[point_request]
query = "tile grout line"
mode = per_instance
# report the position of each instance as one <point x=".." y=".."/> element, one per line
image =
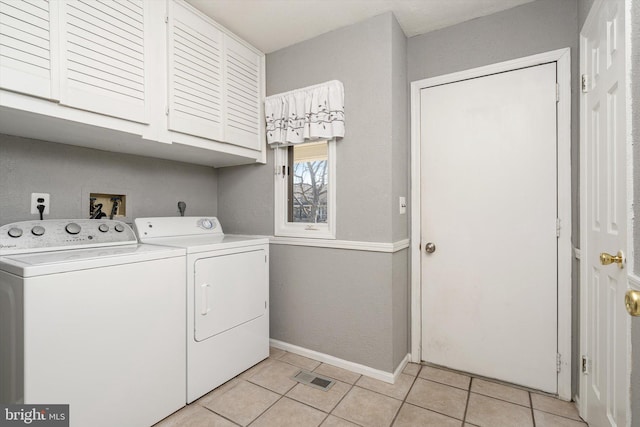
<point x="434" y="410"/>
<point x="395" y="417"/>
<point x="220" y="415"/>
<point x="466" y="407"/>
<point x="502" y="400"/>
<point x="533" y="416"/>
<point x="561" y="416"/>
<point x="342" y="398"/>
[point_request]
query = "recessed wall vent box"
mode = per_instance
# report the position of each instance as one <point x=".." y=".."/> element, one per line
<point x="103" y="205"/>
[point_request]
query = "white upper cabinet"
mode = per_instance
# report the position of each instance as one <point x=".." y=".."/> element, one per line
<point x="27" y="47"/>
<point x="243" y="97"/>
<point x="146" y="77"/>
<point x="195" y="74"/>
<point x="103" y="57"/>
<point x="216" y="82"/>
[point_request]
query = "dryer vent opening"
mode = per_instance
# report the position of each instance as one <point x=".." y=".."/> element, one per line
<point x="314" y="380"/>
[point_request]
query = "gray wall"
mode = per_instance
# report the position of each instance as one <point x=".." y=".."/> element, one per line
<point x="365" y="59"/>
<point x="337" y="302"/>
<point x="348" y="304"/>
<point x="153" y="187"/>
<point x="532" y="28"/>
<point x="584" y="6"/>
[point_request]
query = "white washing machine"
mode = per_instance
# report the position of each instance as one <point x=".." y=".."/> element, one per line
<point x="90" y="318"/>
<point x="227" y="297"/>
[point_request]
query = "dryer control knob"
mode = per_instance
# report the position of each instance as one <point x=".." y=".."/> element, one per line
<point x="207" y="224"/>
<point x="37" y="230"/>
<point x="103" y="227"/>
<point x="73" y="228"/>
<point x="119" y="228"/>
<point x="15" y="232"/>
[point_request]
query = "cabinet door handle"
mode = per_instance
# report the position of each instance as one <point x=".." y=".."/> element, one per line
<point x="205" y="299"/>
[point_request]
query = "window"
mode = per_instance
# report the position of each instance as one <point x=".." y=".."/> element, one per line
<point x="305" y="190"/>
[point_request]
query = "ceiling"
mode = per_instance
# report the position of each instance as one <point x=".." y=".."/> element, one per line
<point x="271" y="25"/>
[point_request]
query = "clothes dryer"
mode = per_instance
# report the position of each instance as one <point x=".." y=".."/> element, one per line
<point x="227" y="288"/>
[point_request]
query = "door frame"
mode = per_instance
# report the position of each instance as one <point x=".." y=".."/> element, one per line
<point x="565" y="248"/>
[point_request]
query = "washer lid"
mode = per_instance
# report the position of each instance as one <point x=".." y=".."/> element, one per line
<point x="37" y="264"/>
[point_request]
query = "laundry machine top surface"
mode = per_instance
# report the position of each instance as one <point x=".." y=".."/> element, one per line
<point x="32" y="248"/>
<point x="195" y="234"/>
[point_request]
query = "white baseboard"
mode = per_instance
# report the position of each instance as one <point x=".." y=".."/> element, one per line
<point x="388" y="377"/>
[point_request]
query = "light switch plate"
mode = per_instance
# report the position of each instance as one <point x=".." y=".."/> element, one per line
<point x="403" y="205"/>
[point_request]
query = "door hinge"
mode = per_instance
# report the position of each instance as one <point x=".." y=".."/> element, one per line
<point x="166" y="19"/>
<point x="557" y="92"/>
<point x="558" y="362"/>
<point x="558" y="227"/>
<point x="166" y="112"/>
<point x="585" y="83"/>
<point x="585" y="365"/>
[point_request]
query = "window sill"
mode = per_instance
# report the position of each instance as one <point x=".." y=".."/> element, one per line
<point x="341" y="244"/>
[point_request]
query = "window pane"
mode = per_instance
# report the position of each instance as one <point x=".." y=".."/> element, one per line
<point x="308" y="183"/>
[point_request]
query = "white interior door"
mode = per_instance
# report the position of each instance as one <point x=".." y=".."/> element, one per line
<point x="604" y="322"/>
<point x="489" y="205"/>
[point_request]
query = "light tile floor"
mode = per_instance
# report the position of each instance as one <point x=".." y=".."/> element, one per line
<point x="266" y="396"/>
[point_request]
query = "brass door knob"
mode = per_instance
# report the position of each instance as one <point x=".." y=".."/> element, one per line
<point x="606" y="259"/>
<point x="632" y="302"/>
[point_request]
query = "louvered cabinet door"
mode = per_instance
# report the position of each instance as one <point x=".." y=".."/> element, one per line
<point x="103" y="57"/>
<point x="27" y="64"/>
<point x="195" y="74"/>
<point x="243" y="95"/>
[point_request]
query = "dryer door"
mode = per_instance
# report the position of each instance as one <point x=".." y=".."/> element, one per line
<point x="229" y="291"/>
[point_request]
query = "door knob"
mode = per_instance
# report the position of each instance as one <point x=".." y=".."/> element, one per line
<point x="606" y="259"/>
<point x="632" y="302"/>
<point x="430" y="248"/>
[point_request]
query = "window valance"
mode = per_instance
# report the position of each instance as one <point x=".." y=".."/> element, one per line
<point x="305" y="115"/>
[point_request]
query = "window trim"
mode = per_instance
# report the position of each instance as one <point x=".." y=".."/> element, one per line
<point x="306" y="230"/>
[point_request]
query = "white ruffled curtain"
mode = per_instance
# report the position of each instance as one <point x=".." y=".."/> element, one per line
<point x="305" y="115"/>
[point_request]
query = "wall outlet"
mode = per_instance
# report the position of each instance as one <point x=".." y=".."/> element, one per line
<point x="40" y="199"/>
<point x="403" y="205"/>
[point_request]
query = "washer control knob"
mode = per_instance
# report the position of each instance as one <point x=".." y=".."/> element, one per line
<point x="119" y="228"/>
<point x="72" y="228"/>
<point x="15" y="232"/>
<point x="37" y="230"/>
<point x="103" y="227"/>
<point x="207" y="224"/>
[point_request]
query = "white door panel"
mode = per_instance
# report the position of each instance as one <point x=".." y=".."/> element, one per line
<point x="229" y="291"/>
<point x="28" y="57"/>
<point x="489" y="204"/>
<point x="604" y="322"/>
<point x="104" y="57"/>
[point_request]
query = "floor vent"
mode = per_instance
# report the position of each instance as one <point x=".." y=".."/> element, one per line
<point x="314" y="380"/>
